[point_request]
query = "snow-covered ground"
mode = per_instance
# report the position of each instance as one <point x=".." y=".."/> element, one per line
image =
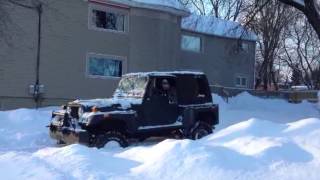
<point x="257" y="139"/>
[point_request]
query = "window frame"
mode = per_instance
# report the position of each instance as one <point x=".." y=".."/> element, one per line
<point x="111" y="57"/>
<point x="241" y="77"/>
<point x="108" y="9"/>
<point x="190" y="50"/>
<point x="244" y="47"/>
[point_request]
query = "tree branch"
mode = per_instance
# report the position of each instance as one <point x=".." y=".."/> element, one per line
<point x="294" y="4"/>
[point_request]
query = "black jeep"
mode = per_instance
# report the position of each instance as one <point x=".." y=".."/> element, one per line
<point x="168" y="104"/>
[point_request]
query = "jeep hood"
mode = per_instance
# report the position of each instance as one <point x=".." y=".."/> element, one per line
<point x="122" y="103"/>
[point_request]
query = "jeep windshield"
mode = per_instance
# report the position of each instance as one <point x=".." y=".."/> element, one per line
<point x="131" y="86"/>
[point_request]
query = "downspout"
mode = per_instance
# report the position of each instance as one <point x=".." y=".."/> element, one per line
<point x="37" y="92"/>
<point x="254" y="66"/>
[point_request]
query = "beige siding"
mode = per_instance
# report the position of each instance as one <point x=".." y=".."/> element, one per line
<point x="17" y="56"/>
<point x="220" y="60"/>
<point x="151" y="42"/>
<point x="154" y="40"/>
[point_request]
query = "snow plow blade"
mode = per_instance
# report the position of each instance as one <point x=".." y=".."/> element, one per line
<point x="69" y="136"/>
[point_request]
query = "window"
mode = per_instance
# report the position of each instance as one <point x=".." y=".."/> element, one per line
<point x="244" y="47"/>
<point x="98" y="66"/>
<point x="191" y="43"/>
<point x="102" y="19"/>
<point x="241" y="81"/>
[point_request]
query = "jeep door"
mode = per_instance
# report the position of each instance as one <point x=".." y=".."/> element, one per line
<point x="160" y="107"/>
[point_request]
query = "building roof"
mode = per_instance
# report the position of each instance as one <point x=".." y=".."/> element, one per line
<point x="218" y="27"/>
<point x="171" y="6"/>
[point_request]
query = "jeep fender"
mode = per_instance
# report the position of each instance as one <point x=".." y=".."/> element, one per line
<point x="192" y="116"/>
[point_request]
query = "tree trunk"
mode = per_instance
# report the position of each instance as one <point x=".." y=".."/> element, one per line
<point x="313" y="15"/>
<point x="309" y="10"/>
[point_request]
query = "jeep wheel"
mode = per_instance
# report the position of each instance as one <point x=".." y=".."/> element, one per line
<point x="176" y="134"/>
<point x="201" y="131"/>
<point x="113" y="138"/>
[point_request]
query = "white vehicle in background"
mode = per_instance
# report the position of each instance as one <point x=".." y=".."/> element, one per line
<point x="299" y="88"/>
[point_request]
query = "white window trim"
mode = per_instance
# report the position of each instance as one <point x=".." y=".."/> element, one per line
<point x="114" y="57"/>
<point x="241" y="77"/>
<point x="107" y="8"/>
<point x="189" y="50"/>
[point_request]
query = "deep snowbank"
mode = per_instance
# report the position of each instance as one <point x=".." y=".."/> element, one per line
<point x="238" y="152"/>
<point x="24" y="129"/>
<point x="241" y="151"/>
<point x="245" y="106"/>
<point x="249" y="149"/>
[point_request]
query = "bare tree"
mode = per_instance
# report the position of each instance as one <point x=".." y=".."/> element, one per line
<point x="302" y="50"/>
<point x="267" y="18"/>
<point x="310" y="8"/>
<point x="269" y="23"/>
<point x="223" y="9"/>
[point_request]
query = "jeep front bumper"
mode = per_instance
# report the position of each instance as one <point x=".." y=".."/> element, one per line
<point x="68" y="135"/>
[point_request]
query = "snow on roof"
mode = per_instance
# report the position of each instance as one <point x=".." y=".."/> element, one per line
<point x="218" y="27"/>
<point x="171" y="6"/>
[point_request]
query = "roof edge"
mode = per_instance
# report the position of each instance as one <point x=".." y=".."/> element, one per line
<point x="135" y="4"/>
<point x="219" y="36"/>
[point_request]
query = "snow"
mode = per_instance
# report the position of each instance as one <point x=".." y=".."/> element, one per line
<point x="257" y="139"/>
<point x="171" y="6"/>
<point x="163" y="73"/>
<point x="218" y="27"/>
<point x="125" y="103"/>
<point x="24" y="129"/>
<point x="245" y="106"/>
<point x="168" y="3"/>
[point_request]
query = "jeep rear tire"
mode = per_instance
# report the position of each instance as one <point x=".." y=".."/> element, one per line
<point x="111" y="136"/>
<point x="202" y="130"/>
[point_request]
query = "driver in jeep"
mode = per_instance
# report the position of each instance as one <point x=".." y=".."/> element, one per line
<point x="168" y="91"/>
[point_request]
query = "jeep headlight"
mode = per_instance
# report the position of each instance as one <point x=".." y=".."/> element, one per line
<point x="69" y="110"/>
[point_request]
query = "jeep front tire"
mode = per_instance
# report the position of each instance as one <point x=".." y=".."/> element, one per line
<point x="201" y="130"/>
<point x="111" y="136"/>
